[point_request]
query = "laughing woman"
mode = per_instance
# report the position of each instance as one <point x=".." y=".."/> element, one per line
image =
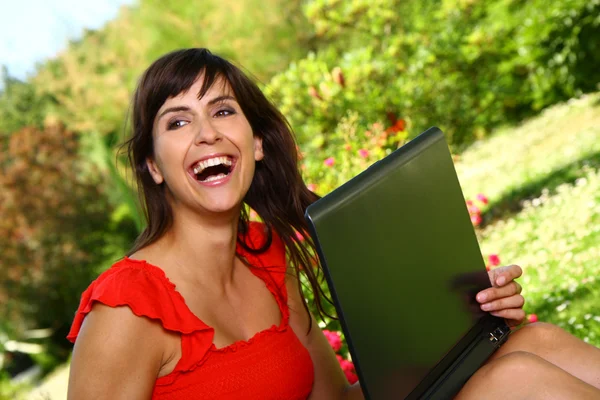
<point x="207" y="305"/>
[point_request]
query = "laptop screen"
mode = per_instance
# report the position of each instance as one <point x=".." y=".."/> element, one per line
<point x="403" y="264"/>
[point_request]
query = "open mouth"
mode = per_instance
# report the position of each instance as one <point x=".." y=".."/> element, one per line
<point x="213" y="169"/>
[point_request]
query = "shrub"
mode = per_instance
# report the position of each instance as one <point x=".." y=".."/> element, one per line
<point x="57" y="230"/>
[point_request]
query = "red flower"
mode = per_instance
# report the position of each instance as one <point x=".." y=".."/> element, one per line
<point x="398" y="124"/>
<point x="474" y="210"/>
<point x="334" y="339"/>
<point x="348" y="147"/>
<point x="481" y="197"/>
<point x="348" y="369"/>
<point x="494" y="259"/>
<point x="299" y="236"/>
<point x="363" y="153"/>
<point x="532" y="318"/>
<point x="476" y="219"/>
<point x="312" y="187"/>
<point x="329" y="162"/>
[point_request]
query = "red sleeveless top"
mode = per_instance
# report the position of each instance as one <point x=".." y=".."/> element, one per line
<point x="273" y="364"/>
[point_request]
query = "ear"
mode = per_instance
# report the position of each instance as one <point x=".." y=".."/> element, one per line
<point x="154" y="171"/>
<point x="258" y="149"/>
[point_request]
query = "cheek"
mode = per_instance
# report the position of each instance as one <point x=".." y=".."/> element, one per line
<point x="168" y="154"/>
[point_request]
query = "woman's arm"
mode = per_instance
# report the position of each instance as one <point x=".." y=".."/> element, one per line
<point x="330" y="381"/>
<point x="117" y="355"/>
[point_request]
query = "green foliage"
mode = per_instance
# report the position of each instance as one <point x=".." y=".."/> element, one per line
<point x="20" y="106"/>
<point x="10" y="391"/>
<point x="93" y="80"/>
<point x="56" y="230"/>
<point x="465" y="66"/>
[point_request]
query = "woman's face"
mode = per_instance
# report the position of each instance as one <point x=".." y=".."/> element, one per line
<point x="204" y="150"/>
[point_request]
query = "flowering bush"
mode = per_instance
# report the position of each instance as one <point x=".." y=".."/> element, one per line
<point x="354" y="145"/>
<point x="475" y="210"/>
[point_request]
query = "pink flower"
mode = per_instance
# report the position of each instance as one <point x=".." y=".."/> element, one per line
<point x="334" y="339"/>
<point x="348" y="147"/>
<point x="351" y="376"/>
<point x="474" y="209"/>
<point x="348" y="368"/>
<point x="299" y="236"/>
<point x="364" y="153"/>
<point x="494" y="259"/>
<point x="532" y="318"/>
<point x="312" y="187"/>
<point x="469" y="202"/>
<point x="476" y="219"/>
<point x="329" y="162"/>
<point x="481" y="197"/>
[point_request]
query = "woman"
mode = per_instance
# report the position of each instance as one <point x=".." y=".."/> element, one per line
<point x="178" y="317"/>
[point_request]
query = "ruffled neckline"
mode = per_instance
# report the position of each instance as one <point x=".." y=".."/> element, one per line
<point x="238" y="344"/>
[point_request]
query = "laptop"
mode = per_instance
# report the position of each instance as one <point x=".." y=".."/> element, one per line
<point x="403" y="266"/>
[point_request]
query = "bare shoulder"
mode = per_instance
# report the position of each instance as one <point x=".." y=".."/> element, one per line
<point x="117" y="355"/>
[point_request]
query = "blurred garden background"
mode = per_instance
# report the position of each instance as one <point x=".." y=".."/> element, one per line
<point x="513" y="83"/>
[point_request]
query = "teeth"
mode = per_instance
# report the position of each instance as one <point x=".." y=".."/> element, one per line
<point x="214" y="177"/>
<point x="211" y="162"/>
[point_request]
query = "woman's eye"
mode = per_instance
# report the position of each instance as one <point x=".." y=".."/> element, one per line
<point x="224" y="112"/>
<point x="178" y="123"/>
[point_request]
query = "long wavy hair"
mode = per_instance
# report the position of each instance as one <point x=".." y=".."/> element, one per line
<point x="277" y="192"/>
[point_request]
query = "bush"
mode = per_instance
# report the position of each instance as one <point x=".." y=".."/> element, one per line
<point x="57" y="230"/>
<point x="465" y="66"/>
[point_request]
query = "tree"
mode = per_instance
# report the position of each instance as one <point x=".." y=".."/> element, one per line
<point x="57" y="229"/>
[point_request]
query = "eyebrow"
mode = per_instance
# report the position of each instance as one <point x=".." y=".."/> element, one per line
<point x="220" y="99"/>
<point x="217" y="99"/>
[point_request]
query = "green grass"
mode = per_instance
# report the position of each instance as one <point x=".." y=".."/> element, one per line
<point x="543" y="181"/>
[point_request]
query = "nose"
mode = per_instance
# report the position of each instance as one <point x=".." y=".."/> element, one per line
<point x="207" y="133"/>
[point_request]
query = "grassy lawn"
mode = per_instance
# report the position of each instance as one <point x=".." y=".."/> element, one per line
<point x="543" y="182"/>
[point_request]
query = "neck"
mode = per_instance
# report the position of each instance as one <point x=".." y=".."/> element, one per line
<point x="202" y="249"/>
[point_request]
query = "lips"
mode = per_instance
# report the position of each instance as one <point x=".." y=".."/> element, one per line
<point x="213" y="169"/>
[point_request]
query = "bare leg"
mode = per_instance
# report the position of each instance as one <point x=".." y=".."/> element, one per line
<point x="520" y="375"/>
<point x="557" y="347"/>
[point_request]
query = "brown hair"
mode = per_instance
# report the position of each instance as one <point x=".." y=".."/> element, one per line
<point x="277" y="193"/>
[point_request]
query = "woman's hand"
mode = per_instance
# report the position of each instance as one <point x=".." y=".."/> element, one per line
<point x="504" y="298"/>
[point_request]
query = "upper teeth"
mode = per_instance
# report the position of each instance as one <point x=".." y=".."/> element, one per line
<point x="211" y="162"/>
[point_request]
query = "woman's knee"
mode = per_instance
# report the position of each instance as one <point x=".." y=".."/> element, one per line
<point x="537" y="338"/>
<point x="513" y="366"/>
<point x="541" y="332"/>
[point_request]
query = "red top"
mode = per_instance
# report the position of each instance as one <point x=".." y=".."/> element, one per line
<point x="273" y="364"/>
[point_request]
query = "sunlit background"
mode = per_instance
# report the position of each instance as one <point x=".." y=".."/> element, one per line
<point x="514" y="84"/>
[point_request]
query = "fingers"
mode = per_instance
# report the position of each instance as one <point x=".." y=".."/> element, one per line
<point x="505" y="303"/>
<point x="513" y="316"/>
<point x="503" y="275"/>
<point x="495" y="293"/>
